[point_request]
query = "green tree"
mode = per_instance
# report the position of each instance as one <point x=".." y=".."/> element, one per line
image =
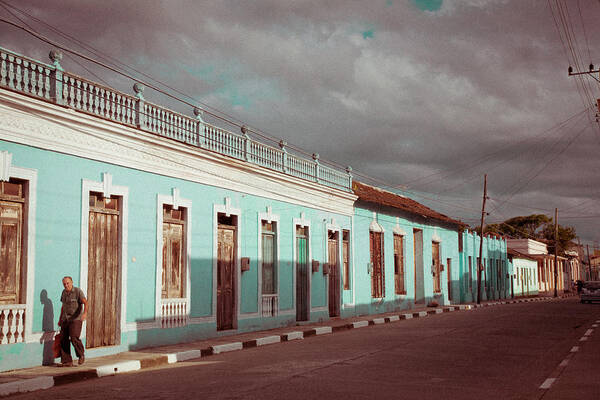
<point x="535" y="226"/>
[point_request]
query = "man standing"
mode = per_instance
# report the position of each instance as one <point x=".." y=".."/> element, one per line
<point x="70" y="321"/>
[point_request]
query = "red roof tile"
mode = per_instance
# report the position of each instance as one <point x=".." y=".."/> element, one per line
<point x="376" y="195"/>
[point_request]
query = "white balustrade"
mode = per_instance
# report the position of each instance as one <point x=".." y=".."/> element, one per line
<point x="270" y="305"/>
<point x="51" y="83"/>
<point x="174" y="313"/>
<point x="12" y="323"/>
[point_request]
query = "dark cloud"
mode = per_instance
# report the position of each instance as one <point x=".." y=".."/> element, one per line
<point x="399" y="90"/>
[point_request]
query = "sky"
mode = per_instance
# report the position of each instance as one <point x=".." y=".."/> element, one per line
<point x="421" y="97"/>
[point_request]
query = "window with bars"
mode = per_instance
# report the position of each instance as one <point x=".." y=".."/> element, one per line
<point x="377" y="264"/>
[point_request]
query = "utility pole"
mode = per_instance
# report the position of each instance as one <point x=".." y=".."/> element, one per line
<point x="480" y="261"/>
<point x="555" y="251"/>
<point x="589" y="263"/>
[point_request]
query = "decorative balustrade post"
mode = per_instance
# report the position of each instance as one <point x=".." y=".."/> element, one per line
<point x="247" y="151"/>
<point x="140" y="113"/>
<point x="315" y="157"/>
<point x="349" y="172"/>
<point x="198" y="112"/>
<point x="284" y="161"/>
<point x="56" y="77"/>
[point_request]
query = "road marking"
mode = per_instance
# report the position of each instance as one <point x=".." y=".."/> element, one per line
<point x="583" y="339"/>
<point x="594" y="325"/>
<point x="588" y="332"/>
<point x="378" y="321"/>
<point x="564" y="363"/>
<point x="407" y="316"/>
<point x="575" y="349"/>
<point x="439" y="310"/>
<point x="547" y="383"/>
<point x="394" y="318"/>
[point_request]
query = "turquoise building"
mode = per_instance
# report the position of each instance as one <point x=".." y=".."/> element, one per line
<point x="174" y="228"/>
<point x="405" y="254"/>
<point x="495" y="274"/>
<point x="177" y="229"/>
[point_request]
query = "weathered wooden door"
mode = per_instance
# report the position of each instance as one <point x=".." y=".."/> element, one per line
<point x="11" y="220"/>
<point x="103" y="271"/>
<point x="225" y="276"/>
<point x="377" y="273"/>
<point x="301" y="274"/>
<point x="435" y="263"/>
<point x="333" y="249"/>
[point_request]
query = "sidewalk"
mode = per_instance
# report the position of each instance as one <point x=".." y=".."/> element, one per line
<point x="44" y="377"/>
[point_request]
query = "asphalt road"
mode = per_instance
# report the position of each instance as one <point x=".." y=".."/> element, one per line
<point x="502" y="352"/>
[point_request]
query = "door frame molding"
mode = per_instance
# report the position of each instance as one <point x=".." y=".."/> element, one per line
<point x="305" y="223"/>
<point x="228" y="210"/>
<point x="269" y="217"/>
<point x="9" y="170"/>
<point x="334" y="227"/>
<point x="107" y="189"/>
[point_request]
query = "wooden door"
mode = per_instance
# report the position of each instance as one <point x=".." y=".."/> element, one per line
<point x="225" y="277"/>
<point x="377" y="273"/>
<point x="399" y="265"/>
<point x="346" y="259"/>
<point x="11" y="220"/>
<point x="435" y="262"/>
<point x="103" y="272"/>
<point x="301" y="274"/>
<point x="334" y="274"/>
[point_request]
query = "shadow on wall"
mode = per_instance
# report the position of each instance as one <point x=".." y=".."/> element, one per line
<point x="47" y="328"/>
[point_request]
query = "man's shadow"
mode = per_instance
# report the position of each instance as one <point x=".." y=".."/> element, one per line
<point x="47" y="328"/>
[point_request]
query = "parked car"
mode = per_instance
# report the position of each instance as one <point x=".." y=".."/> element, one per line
<point x="590" y="291"/>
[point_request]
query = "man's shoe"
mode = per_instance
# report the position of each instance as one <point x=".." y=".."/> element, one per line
<point x="65" y="364"/>
<point x="81" y="360"/>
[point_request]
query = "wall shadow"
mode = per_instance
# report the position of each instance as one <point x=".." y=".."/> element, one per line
<point x="47" y="328"/>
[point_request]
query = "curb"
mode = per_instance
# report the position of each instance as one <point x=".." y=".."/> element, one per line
<point x="46" y="382"/>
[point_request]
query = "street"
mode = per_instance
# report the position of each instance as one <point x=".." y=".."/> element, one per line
<point x="502" y="352"/>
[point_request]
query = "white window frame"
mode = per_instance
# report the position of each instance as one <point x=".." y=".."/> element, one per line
<point x="270" y="218"/>
<point x="7" y="171"/>
<point x="176" y="202"/>
<point x="228" y="210"/>
<point x="333" y="227"/>
<point x="304" y="223"/>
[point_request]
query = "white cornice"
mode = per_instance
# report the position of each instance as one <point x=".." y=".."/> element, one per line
<point x="44" y="125"/>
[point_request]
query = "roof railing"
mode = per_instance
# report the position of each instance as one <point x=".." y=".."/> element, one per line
<point x="51" y="83"/>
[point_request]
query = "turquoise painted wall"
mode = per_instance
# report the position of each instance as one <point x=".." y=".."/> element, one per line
<point x="57" y="248"/>
<point x="386" y="217"/>
<point x="494" y="249"/>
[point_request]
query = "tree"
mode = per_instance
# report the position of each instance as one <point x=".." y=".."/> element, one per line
<point x="524" y="227"/>
<point x="537" y="227"/>
<point x="565" y="235"/>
